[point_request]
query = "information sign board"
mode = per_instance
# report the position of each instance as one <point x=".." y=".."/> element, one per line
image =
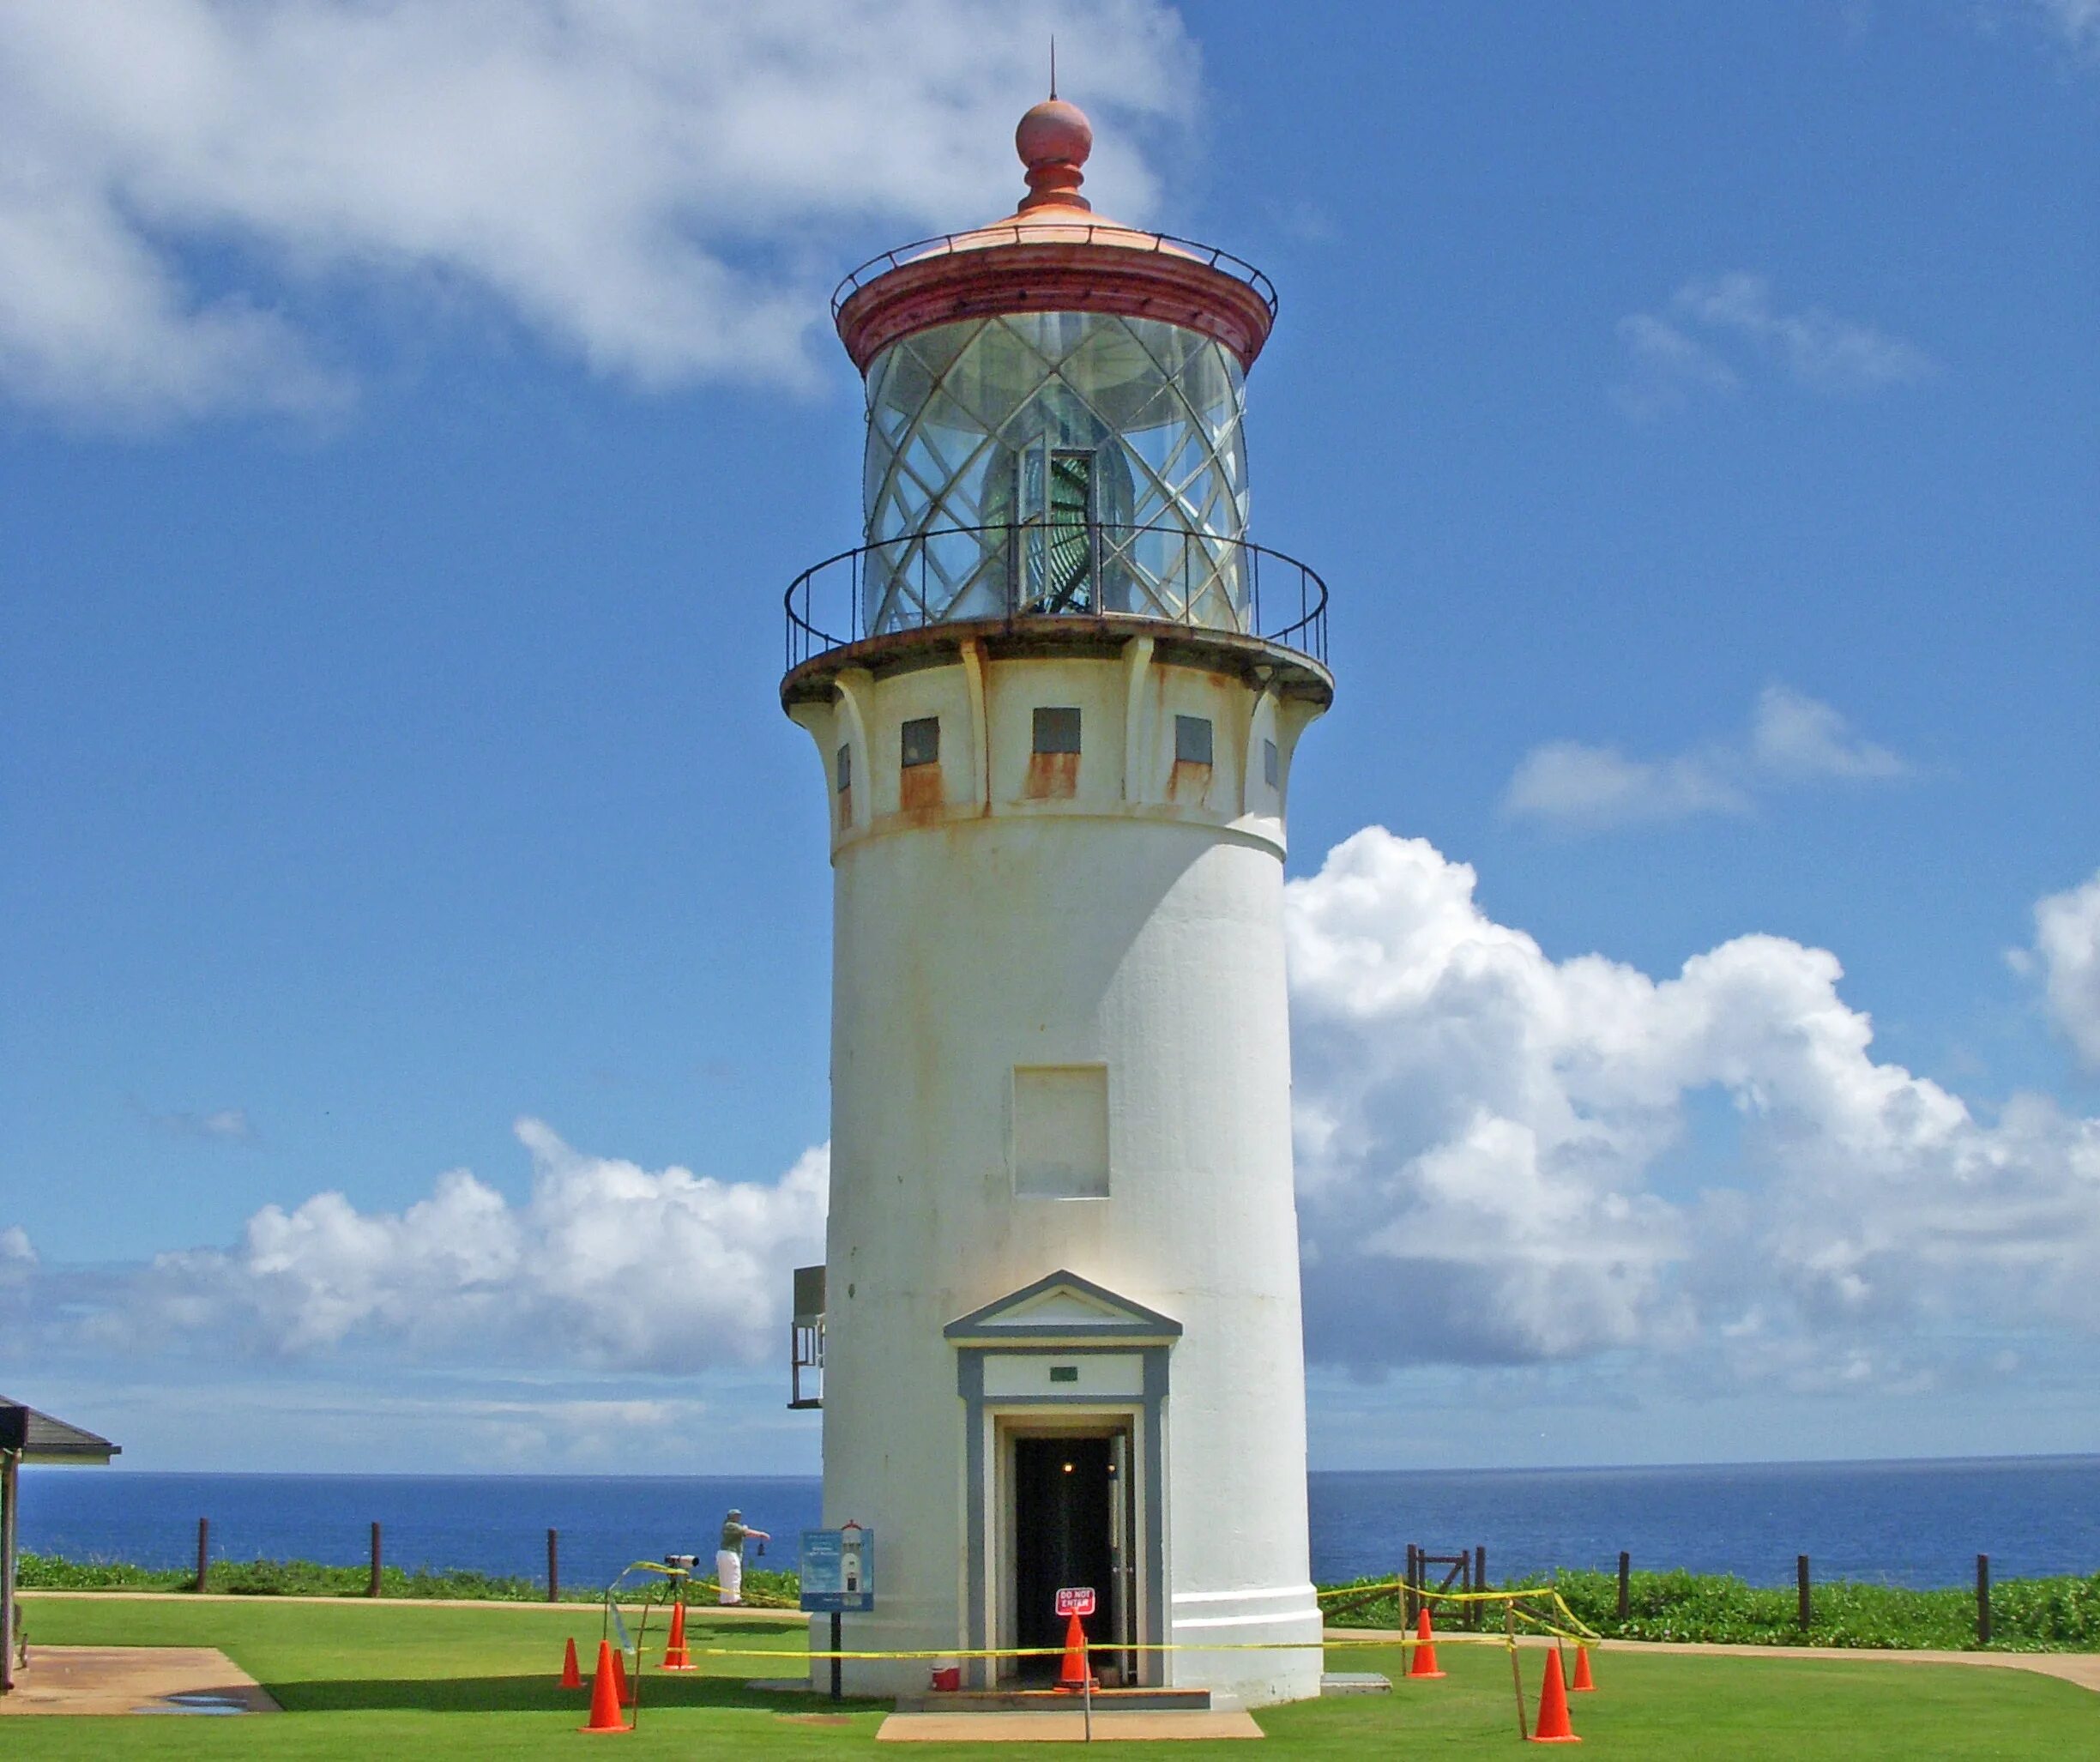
<point x="838" y="1571"/>
<point x="1075" y="1600"/>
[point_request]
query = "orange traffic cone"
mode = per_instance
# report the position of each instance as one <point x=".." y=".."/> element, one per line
<point x="1425" y="1663"/>
<point x="604" y="1714"/>
<point x="1552" y="1727"/>
<point x="570" y="1676"/>
<point x="620" y="1684"/>
<point x="1582" y="1684"/>
<point x="675" y="1657"/>
<point x="1073" y="1676"/>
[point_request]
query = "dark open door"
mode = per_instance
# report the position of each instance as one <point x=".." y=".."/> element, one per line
<point x="1066" y="1492"/>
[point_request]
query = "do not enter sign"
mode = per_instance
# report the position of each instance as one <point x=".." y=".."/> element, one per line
<point x="1075" y="1600"/>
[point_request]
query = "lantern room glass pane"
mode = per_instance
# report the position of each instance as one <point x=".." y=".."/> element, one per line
<point x="1056" y="462"/>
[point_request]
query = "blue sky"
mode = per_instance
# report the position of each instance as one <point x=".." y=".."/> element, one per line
<point x="410" y="417"/>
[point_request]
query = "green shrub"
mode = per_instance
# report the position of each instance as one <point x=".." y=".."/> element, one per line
<point x="2027" y="1615"/>
<point x="309" y="1578"/>
<point x="50" y="1573"/>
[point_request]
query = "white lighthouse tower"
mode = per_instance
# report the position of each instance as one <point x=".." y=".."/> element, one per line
<point x="1058" y="694"/>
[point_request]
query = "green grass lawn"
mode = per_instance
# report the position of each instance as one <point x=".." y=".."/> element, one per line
<point x="401" y="1684"/>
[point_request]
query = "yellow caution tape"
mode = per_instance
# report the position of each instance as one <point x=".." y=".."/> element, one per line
<point x="1575" y="1630"/>
<point x="1395" y="1643"/>
<point x="1055" y="1652"/>
<point x="1381" y="1643"/>
<point x="1428" y="1595"/>
<point x="755" y="1600"/>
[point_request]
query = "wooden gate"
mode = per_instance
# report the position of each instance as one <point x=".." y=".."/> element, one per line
<point x="1461" y="1571"/>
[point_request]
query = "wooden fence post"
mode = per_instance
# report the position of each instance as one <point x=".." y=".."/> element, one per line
<point x="1801" y="1579"/>
<point x="204" y="1577"/>
<point x="1407" y="1596"/>
<point x="374" y="1591"/>
<point x="1509" y="1629"/>
<point x="553" y="1566"/>
<point x="1480" y="1582"/>
<point x="1625" y="1573"/>
<point x="1982" y="1599"/>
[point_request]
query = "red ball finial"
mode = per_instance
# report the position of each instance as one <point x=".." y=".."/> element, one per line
<point x="1053" y="141"/>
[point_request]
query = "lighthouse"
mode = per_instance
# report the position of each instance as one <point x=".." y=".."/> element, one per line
<point x="1058" y="693"/>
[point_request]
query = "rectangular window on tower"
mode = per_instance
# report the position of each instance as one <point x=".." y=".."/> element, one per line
<point x="1191" y="740"/>
<point x="1061" y="1131"/>
<point x="1272" y="765"/>
<point x="845" y="769"/>
<point x="919" y="783"/>
<point x="921" y="741"/>
<point x="1057" y="731"/>
<point x="1054" y="765"/>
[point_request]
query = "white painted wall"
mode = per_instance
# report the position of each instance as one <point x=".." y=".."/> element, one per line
<point x="1136" y="924"/>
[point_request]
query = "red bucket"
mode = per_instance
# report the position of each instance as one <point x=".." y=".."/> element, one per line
<point x="948" y="1679"/>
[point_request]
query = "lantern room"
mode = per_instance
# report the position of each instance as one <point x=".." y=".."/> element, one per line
<point x="1056" y="408"/>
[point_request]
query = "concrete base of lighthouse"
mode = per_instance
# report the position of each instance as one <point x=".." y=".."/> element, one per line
<point x="1066" y="1410"/>
<point x="1067" y="1403"/>
<point x="1063" y="1330"/>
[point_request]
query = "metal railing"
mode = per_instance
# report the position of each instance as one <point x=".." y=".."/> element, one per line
<point x="1045" y="569"/>
<point x="1037" y="232"/>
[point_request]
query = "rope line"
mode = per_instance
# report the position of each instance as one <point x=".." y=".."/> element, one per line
<point x="1395" y="1644"/>
<point x="1428" y="1595"/>
<point x="1569" y="1626"/>
<point x="1058" y="1651"/>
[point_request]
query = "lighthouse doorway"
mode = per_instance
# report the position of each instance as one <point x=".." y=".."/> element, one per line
<point x="1072" y="1523"/>
<point x="1065" y="1370"/>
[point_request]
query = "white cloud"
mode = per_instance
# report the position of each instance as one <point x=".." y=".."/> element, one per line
<point x="660" y="190"/>
<point x="1664" y="366"/>
<point x="607" y="1264"/>
<point x="18" y="1278"/>
<point x="1817" y="349"/>
<point x="1793" y="735"/>
<point x="1498" y="1164"/>
<point x="1792" y="738"/>
<point x="421" y="1420"/>
<point x="2066" y="954"/>
<point x="1573" y="784"/>
<point x="1485" y="1136"/>
<point x="1716" y="331"/>
<point x="2076" y="21"/>
<point x="18" y="1259"/>
<point x="225" y="1126"/>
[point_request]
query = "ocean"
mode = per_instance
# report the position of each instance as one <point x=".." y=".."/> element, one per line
<point x="1917" y="1524"/>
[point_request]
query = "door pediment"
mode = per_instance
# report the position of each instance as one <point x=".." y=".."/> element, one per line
<point x="1065" y="1308"/>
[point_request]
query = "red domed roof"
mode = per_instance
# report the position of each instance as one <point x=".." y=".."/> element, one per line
<point x="1054" y="253"/>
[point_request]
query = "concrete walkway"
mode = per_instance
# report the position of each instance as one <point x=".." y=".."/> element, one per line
<point x="1063" y="1727"/>
<point x="2080" y="1668"/>
<point x="126" y="1679"/>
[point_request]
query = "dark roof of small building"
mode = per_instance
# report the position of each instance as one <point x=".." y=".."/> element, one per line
<point x="41" y="1438"/>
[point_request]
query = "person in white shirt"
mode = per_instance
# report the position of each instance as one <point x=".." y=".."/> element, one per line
<point x="729" y="1557"/>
